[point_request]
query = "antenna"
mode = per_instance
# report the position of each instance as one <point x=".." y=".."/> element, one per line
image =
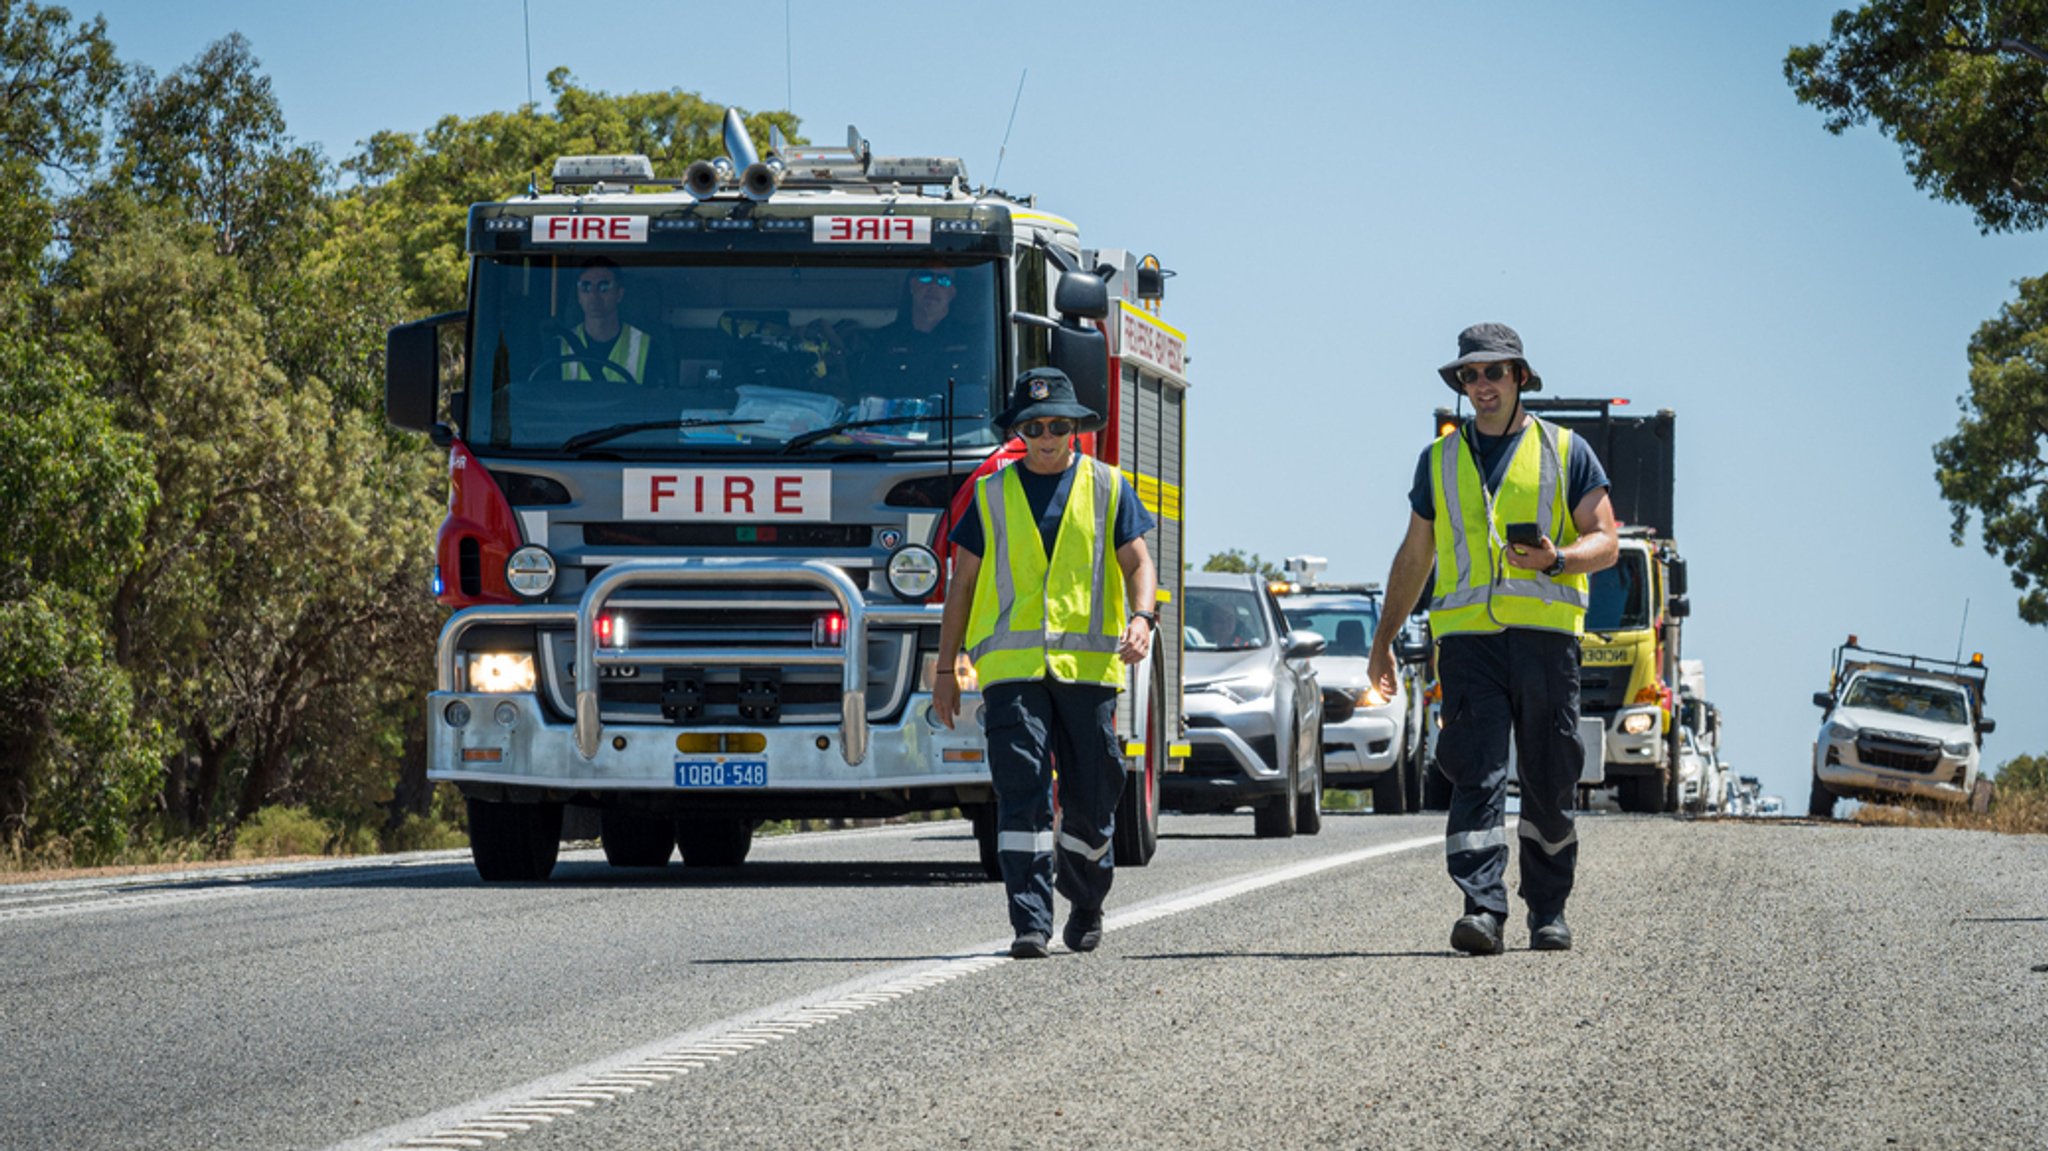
<point x="1964" y="628"/>
<point x="526" y="17"/>
<point x="1013" y="123"/>
<point x="788" y="73"/>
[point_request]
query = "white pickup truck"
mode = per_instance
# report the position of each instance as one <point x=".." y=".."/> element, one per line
<point x="1898" y="726"/>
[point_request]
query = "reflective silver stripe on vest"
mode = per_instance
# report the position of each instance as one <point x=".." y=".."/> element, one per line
<point x="1541" y="589"/>
<point x="1546" y="473"/>
<point x="1528" y="831"/>
<point x="1078" y="846"/>
<point x="1103" y="530"/>
<point x="1475" y="840"/>
<point x="633" y="363"/>
<point x="1006" y="579"/>
<point x="1454" y="501"/>
<point x="1074" y="641"/>
<point x="1030" y="842"/>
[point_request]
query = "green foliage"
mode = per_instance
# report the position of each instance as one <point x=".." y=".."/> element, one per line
<point x="2028" y="773"/>
<point x="1993" y="466"/>
<point x="276" y="831"/>
<point x="56" y="82"/>
<point x="1234" y="560"/>
<point x="1960" y="85"/>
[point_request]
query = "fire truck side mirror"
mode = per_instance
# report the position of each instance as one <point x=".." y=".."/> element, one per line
<point x="412" y="372"/>
<point x="1679" y="606"/>
<point x="1081" y="296"/>
<point x="1677" y="576"/>
<point x="1083" y="354"/>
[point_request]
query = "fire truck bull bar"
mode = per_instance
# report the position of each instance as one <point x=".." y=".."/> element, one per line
<point x="850" y="656"/>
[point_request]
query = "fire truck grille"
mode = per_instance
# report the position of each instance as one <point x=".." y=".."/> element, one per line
<point x="1897" y="752"/>
<point x="687" y="695"/>
<point x="714" y="535"/>
<point x="1602" y="692"/>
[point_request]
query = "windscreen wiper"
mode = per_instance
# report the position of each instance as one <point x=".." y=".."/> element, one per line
<point x="599" y="435"/>
<point x="816" y="434"/>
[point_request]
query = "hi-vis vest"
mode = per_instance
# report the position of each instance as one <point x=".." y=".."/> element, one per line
<point x="1032" y="620"/>
<point x="1468" y="598"/>
<point x="629" y="351"/>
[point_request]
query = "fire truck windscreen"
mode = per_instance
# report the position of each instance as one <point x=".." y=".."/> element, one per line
<point x="729" y="358"/>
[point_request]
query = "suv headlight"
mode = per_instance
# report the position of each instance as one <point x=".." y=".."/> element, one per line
<point x="1244" y="690"/>
<point x="501" y="671"/>
<point x="1959" y="748"/>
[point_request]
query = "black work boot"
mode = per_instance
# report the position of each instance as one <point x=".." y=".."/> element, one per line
<point x="1549" y="932"/>
<point x="1477" y="933"/>
<point x="1029" y="945"/>
<point x="1084" y="929"/>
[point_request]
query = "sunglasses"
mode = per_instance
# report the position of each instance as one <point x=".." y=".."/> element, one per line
<point x="940" y="278"/>
<point x="1037" y="428"/>
<point x="1493" y="373"/>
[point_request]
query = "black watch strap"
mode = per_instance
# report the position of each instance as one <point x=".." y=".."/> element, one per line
<point x="1150" y="617"/>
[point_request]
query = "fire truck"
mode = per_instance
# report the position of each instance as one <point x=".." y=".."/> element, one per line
<point x="706" y="438"/>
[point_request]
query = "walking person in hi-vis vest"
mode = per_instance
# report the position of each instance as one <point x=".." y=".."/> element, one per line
<point x="1051" y="596"/>
<point x="1513" y="514"/>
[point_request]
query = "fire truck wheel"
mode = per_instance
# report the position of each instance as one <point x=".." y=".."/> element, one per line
<point x="514" y="842"/>
<point x="982" y="816"/>
<point x="714" y="841"/>
<point x="1308" y="803"/>
<point x="1274" y="818"/>
<point x="633" y="839"/>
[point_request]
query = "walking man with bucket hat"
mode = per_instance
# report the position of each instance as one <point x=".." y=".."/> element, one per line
<point x="1513" y="514"/>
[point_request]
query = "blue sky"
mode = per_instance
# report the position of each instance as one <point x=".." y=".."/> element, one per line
<point x="1342" y="187"/>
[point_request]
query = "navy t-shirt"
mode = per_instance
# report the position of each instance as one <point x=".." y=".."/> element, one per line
<point x="1583" y="472"/>
<point x="1047" y="496"/>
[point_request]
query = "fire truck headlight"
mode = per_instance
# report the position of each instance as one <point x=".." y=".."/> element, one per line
<point x="531" y="571"/>
<point x="1638" y="723"/>
<point x="913" y="571"/>
<point x="501" y="671"/>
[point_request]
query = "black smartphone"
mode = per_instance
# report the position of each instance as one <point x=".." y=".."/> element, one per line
<point x="1526" y="534"/>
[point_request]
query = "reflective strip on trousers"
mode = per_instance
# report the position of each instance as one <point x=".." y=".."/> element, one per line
<point x="1475" y="840"/>
<point x="1079" y="846"/>
<point x="1028" y="842"/>
<point x="1528" y="831"/>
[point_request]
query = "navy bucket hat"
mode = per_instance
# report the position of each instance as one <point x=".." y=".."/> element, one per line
<point x="1488" y="344"/>
<point x="1047" y="393"/>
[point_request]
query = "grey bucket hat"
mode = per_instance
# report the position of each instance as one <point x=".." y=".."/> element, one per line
<point x="1047" y="393"/>
<point x="1488" y="344"/>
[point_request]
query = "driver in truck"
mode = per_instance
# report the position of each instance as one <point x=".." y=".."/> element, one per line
<point x="603" y="337"/>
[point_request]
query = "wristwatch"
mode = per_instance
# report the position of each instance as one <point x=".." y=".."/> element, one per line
<point x="1556" y="569"/>
<point x="1150" y="617"/>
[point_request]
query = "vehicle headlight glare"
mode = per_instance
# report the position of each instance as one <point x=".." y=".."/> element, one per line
<point x="1638" y="724"/>
<point x="530" y="571"/>
<point x="1959" y="748"/>
<point x="913" y="571"/>
<point x="501" y="671"/>
<point x="1244" y="690"/>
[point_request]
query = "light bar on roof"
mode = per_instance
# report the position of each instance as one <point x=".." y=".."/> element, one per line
<point x="615" y="169"/>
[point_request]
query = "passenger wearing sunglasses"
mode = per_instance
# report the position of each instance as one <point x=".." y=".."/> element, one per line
<point x="926" y="344"/>
<point x="1506" y="615"/>
<point x="1065" y="603"/>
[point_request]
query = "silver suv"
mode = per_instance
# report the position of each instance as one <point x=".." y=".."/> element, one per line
<point x="1254" y="709"/>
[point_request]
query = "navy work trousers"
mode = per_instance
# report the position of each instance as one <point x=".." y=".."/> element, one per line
<point x="1520" y="683"/>
<point x="1032" y="726"/>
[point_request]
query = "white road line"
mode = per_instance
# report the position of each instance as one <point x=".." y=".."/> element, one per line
<point x="504" y="1113"/>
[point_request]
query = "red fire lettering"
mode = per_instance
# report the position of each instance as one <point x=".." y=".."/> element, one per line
<point x="658" y="489"/>
<point x="869" y="228"/>
<point x="620" y="228"/>
<point x="788" y="495"/>
<point x="903" y="227"/>
<point x="699" y="509"/>
<point x="842" y="228"/>
<point x="739" y="489"/>
<point x="555" y="224"/>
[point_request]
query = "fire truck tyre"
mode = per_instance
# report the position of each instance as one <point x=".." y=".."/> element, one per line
<point x="632" y="839"/>
<point x="982" y="816"/>
<point x="1390" y="790"/>
<point x="714" y="841"/>
<point x="1274" y="818"/>
<point x="1436" y="787"/>
<point x="514" y="842"/>
<point x="1308" y="802"/>
<point x="1137" y="819"/>
<point x="1643" y="794"/>
<point x="1820" y="802"/>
